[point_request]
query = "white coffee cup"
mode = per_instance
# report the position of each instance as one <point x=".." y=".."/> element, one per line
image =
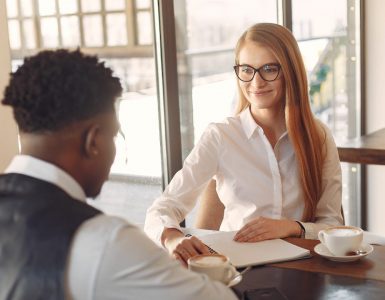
<point x="341" y="240"/>
<point x="216" y="266"/>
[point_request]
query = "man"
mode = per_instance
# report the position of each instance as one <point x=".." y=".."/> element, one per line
<point x="52" y="244"/>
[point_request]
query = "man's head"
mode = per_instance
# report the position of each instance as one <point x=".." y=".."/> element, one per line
<point x="64" y="105"/>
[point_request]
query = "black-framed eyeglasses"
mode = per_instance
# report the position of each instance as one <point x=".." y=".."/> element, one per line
<point x="268" y="72"/>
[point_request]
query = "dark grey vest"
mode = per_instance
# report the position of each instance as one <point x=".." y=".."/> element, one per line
<point x="37" y="223"/>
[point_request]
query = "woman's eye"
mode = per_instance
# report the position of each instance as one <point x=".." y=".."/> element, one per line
<point x="246" y="69"/>
<point x="270" y="68"/>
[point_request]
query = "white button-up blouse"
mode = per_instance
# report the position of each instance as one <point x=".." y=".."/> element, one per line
<point x="253" y="179"/>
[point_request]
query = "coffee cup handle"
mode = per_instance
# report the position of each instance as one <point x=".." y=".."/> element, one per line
<point x="231" y="271"/>
<point x="321" y="237"/>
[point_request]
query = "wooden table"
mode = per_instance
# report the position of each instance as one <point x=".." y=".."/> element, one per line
<point x="316" y="278"/>
<point x="366" y="149"/>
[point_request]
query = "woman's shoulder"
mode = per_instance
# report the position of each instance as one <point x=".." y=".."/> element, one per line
<point x="229" y="128"/>
<point x="326" y="134"/>
<point x="324" y="128"/>
<point x="225" y="125"/>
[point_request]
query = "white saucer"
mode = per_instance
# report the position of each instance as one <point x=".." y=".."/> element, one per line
<point x="324" y="252"/>
<point x="237" y="279"/>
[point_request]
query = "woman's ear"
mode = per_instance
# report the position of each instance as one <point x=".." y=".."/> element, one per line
<point x="91" y="145"/>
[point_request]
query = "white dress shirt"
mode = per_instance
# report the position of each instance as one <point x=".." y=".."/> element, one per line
<point x="112" y="259"/>
<point x="253" y="179"/>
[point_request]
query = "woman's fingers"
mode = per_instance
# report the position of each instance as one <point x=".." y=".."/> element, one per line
<point x="248" y="230"/>
<point x="257" y="238"/>
<point x="260" y="229"/>
<point x="253" y="234"/>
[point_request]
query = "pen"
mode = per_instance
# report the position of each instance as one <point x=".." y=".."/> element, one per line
<point x="211" y="250"/>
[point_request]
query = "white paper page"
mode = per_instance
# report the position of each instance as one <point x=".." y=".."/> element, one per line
<point x="245" y="254"/>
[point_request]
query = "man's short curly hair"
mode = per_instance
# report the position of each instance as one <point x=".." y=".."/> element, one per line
<point x="56" y="88"/>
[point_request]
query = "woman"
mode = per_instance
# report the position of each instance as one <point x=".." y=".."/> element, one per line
<point x="276" y="166"/>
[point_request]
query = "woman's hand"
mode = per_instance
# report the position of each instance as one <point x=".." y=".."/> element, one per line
<point x="181" y="247"/>
<point x="260" y="229"/>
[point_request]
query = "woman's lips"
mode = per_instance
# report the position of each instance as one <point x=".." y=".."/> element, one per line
<point x="259" y="93"/>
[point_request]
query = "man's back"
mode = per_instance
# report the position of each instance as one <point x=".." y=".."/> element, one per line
<point x="64" y="105"/>
<point x="77" y="251"/>
<point x="37" y="223"/>
<point x="113" y="259"/>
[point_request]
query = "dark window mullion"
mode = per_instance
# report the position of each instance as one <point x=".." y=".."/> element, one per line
<point x="167" y="83"/>
<point x="36" y="16"/>
<point x="103" y="14"/>
<point x="287" y="14"/>
<point x="81" y="27"/>
<point x="58" y="20"/>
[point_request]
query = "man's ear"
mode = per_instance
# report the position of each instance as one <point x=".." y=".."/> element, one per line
<point x="91" y="145"/>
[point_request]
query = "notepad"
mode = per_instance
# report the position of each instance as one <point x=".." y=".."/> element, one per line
<point x="251" y="254"/>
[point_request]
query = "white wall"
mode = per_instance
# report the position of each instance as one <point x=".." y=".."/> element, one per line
<point x="8" y="129"/>
<point x="375" y="106"/>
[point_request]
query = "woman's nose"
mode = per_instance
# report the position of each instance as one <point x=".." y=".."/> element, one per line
<point x="257" y="80"/>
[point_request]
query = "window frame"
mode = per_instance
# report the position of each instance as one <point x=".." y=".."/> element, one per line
<point x="171" y="138"/>
<point x="131" y="49"/>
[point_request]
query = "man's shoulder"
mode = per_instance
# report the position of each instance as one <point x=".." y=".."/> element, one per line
<point x="109" y="221"/>
<point x="104" y="227"/>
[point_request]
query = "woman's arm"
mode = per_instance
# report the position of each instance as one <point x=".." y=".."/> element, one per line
<point x="180" y="197"/>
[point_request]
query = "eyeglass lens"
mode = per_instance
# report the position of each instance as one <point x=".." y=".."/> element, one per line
<point x="268" y="72"/>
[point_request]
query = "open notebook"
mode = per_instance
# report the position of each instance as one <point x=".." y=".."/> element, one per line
<point x="248" y="254"/>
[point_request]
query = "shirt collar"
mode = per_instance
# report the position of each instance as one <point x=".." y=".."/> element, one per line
<point x="250" y="126"/>
<point x="248" y="123"/>
<point x="40" y="169"/>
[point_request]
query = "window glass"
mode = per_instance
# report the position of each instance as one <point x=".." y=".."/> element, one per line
<point x="49" y="32"/>
<point x="144" y="28"/>
<point x="136" y="172"/>
<point x="70" y="31"/>
<point x="29" y="34"/>
<point x="93" y="30"/>
<point x="26" y="7"/>
<point x="326" y="32"/>
<point x="116" y="29"/>
<point x="115" y="4"/>
<point x="68" y="6"/>
<point x="47" y="7"/>
<point x="14" y="34"/>
<point x="206" y="42"/>
<point x="90" y="5"/>
<point x="135" y="178"/>
<point x="143" y="4"/>
<point x="12" y="8"/>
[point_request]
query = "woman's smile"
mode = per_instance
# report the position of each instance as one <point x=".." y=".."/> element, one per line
<point x="259" y="92"/>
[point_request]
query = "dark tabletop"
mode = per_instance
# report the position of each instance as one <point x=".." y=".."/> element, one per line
<point x="316" y="278"/>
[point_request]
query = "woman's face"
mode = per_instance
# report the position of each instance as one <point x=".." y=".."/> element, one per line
<point x="259" y="93"/>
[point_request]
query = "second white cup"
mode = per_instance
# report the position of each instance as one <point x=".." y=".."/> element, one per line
<point x="341" y="240"/>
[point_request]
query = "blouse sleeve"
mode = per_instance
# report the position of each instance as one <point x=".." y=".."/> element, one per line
<point x="329" y="209"/>
<point x="180" y="196"/>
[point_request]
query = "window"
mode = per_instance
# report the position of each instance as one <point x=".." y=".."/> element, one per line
<point x="329" y="41"/>
<point x="120" y="33"/>
<point x="206" y="42"/>
<point x="107" y="28"/>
